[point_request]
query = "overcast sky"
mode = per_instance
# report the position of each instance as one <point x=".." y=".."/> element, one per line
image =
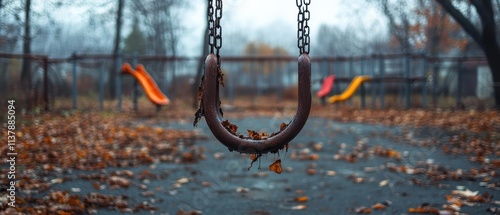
<point x="269" y="20"/>
<point x="256" y="16"/>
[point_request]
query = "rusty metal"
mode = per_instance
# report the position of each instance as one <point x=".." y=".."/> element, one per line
<point x="211" y="110"/>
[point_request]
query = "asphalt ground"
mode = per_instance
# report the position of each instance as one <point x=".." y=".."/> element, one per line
<point x="330" y="168"/>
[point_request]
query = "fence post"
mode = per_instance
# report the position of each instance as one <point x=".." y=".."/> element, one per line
<point x="351" y="72"/>
<point x="459" y="82"/>
<point x="435" y="82"/>
<point x="336" y="71"/>
<point x="373" y="86"/>
<point x="46" y="82"/>
<point x="408" y="81"/>
<point x="101" y="85"/>
<point x="172" y="79"/>
<point x="424" y="80"/>
<point x="363" y="88"/>
<point x="382" y="76"/>
<point x="75" y="88"/>
<point x="230" y="86"/>
<point x="363" y="94"/>
<point x="118" y="81"/>
<point x="135" y="85"/>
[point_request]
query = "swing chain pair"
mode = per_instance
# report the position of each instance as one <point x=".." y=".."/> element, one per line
<point x="214" y="27"/>
<point x="303" y="17"/>
<point x="208" y="91"/>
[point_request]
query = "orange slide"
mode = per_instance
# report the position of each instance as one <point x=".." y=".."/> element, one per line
<point x="150" y="87"/>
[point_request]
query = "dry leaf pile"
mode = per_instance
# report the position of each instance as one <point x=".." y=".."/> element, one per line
<point x="52" y="144"/>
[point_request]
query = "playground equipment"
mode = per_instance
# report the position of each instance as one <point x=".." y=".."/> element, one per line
<point x="210" y="102"/>
<point x="326" y="87"/>
<point x="349" y="91"/>
<point x="150" y="87"/>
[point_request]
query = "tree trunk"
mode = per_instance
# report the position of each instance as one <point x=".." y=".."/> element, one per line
<point x="26" y="65"/>
<point x="490" y="44"/>
<point x="116" y="51"/>
<point x="485" y="38"/>
<point x="494" y="64"/>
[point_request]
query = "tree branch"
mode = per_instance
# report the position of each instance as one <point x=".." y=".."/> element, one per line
<point x="463" y="21"/>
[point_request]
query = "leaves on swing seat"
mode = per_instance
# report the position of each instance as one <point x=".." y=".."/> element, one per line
<point x="256" y="135"/>
<point x="200" y="92"/>
<point x="283" y="126"/>
<point x="220" y="77"/>
<point x="230" y="127"/>
<point x="276" y="166"/>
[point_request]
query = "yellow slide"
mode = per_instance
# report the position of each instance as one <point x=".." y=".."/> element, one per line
<point x="349" y="92"/>
<point x="150" y="87"/>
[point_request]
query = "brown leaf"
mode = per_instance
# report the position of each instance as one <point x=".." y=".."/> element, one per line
<point x="301" y="199"/>
<point x="276" y="166"/>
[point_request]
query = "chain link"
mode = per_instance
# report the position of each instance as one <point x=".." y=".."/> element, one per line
<point x="214" y="27"/>
<point x="303" y="39"/>
<point x="211" y="25"/>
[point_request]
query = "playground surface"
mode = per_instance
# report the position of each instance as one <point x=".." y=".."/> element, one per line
<point x="345" y="161"/>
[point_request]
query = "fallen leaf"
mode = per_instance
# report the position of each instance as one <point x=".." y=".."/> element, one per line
<point x="301" y="199"/>
<point x="242" y="190"/>
<point x="299" y="207"/>
<point x="276" y="166"/>
<point x="363" y="210"/>
<point x="379" y="206"/>
<point x="182" y="180"/>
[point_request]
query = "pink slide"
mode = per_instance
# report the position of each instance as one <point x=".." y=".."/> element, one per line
<point x="326" y="87"/>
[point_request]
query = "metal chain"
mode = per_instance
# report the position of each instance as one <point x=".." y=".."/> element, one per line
<point x="214" y="27"/>
<point x="303" y="40"/>
<point x="211" y="24"/>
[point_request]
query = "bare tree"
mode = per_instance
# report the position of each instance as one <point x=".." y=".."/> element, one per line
<point x="26" y="66"/>
<point x="9" y="36"/>
<point x="116" y="49"/>
<point x="162" y="22"/>
<point x="399" y="22"/>
<point x="330" y="36"/>
<point x="485" y="37"/>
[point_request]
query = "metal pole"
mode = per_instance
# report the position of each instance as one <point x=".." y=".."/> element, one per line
<point x="351" y="72"/>
<point x="75" y="89"/>
<point x="373" y="86"/>
<point x="408" y="81"/>
<point x="118" y="82"/>
<point x="135" y="86"/>
<point x="459" y="83"/>
<point x="363" y="88"/>
<point x="46" y="82"/>
<point x="324" y="68"/>
<point x="363" y="94"/>
<point x="382" y="74"/>
<point x="363" y="62"/>
<point x="424" y="80"/>
<point x="101" y="85"/>
<point x="231" y="85"/>
<point x="435" y="83"/>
